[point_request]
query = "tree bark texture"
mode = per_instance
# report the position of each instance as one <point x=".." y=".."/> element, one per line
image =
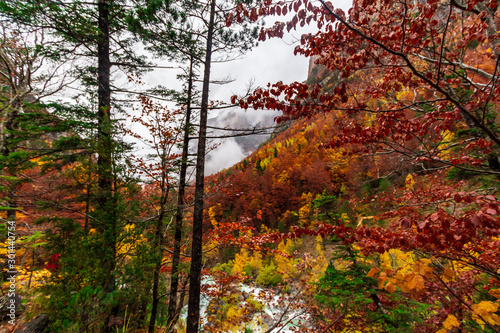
<point x="193" y="316"/>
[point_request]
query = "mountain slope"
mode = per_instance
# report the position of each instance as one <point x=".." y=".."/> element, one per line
<point x="269" y="184"/>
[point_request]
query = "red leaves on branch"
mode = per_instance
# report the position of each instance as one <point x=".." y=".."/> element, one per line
<point x="229" y="19"/>
<point x="394" y="50"/>
<point x="413" y="88"/>
<point x="53" y="264"/>
<point x="441" y="234"/>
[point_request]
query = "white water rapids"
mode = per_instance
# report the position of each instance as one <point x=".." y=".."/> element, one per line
<point x="282" y="313"/>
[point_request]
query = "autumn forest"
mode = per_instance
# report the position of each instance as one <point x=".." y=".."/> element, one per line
<point x="370" y="207"/>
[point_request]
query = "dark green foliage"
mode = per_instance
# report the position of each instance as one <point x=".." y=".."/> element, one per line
<point x="258" y="165"/>
<point x="228" y="253"/>
<point x="325" y="203"/>
<point x="346" y="288"/>
<point x="384" y="184"/>
<point x="340" y="286"/>
<point x="75" y="297"/>
<point x="281" y="226"/>
<point x="459" y="174"/>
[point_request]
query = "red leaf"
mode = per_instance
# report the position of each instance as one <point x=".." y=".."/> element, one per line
<point x="229" y="20"/>
<point x="491" y="211"/>
<point x="423" y="224"/>
<point x="476" y="220"/>
<point x="253" y="15"/>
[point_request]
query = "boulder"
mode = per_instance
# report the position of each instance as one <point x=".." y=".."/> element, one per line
<point x="35" y="325"/>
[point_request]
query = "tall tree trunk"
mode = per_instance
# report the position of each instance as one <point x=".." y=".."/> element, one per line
<point x="104" y="95"/>
<point x="104" y="147"/>
<point x="179" y="214"/>
<point x="193" y="316"/>
<point x="158" y="249"/>
<point x="10" y="126"/>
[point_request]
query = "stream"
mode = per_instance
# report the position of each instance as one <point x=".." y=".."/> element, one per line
<point x="279" y="312"/>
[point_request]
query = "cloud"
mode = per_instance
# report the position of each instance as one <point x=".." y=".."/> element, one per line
<point x="226" y="155"/>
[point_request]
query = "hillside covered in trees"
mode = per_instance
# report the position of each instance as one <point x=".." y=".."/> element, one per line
<point x="372" y="208"/>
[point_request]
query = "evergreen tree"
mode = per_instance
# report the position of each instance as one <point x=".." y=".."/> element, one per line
<point x="96" y="31"/>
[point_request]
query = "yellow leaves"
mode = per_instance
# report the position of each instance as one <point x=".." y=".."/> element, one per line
<point x="410" y="181"/>
<point x="234" y="313"/>
<point x="128" y="243"/>
<point x="399" y="270"/>
<point x="450" y="322"/>
<point x="485" y="310"/>
<point x="395" y="259"/>
<point x="279" y="147"/>
<point x="390" y="288"/>
<point x="495" y="293"/>
<point x="344" y="218"/>
<point x="405" y="95"/>
<point x="381" y="280"/>
<point x="447" y="136"/>
<point x="423" y="269"/>
<point x="212" y="213"/>
<point x="27" y="277"/>
<point x="286" y="246"/>
<point x="484" y="307"/>
<point x="301" y="140"/>
<point x="265" y="162"/>
<point x="285" y="266"/>
<point x="414" y="281"/>
<point x="319" y="247"/>
<point x="305" y="210"/>
<point x="448" y="275"/>
<point x="244" y="261"/>
<point x="444" y="146"/>
<point x="38" y="161"/>
<point x="338" y="162"/>
<point x="373" y="271"/>
<point x="240" y="261"/>
<point x="129" y="227"/>
<point x="320" y="264"/>
<point x="283" y="177"/>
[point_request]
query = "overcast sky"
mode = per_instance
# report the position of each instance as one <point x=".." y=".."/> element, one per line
<point x="271" y="61"/>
